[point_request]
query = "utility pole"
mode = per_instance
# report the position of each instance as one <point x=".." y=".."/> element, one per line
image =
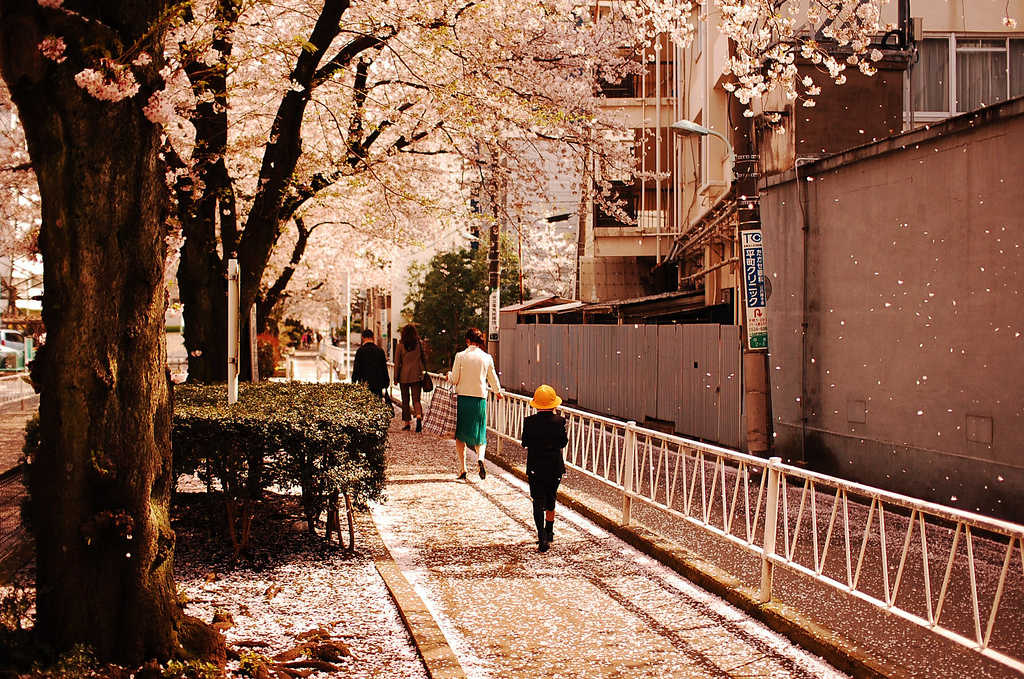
<point x="755" y="325"/>
<point x="755" y="333"/>
<point x="494" y="194"/>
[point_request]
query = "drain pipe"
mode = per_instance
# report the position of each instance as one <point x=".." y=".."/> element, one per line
<point x="803" y="200"/>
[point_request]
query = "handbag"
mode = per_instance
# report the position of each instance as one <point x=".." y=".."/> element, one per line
<point x="442" y="413"/>
<point x="426" y="383"/>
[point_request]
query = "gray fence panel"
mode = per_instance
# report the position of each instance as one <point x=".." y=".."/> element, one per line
<point x="670" y="403"/>
<point x="687" y="394"/>
<point x="508" y="351"/>
<point x="731" y="431"/>
<point x="711" y="348"/>
<point x="652" y="370"/>
<point x="690" y="375"/>
<point x="567" y="387"/>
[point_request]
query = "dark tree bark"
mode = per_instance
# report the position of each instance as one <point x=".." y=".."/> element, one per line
<point x="101" y="480"/>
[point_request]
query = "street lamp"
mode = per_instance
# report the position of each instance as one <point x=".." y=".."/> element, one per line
<point x="690" y="127"/>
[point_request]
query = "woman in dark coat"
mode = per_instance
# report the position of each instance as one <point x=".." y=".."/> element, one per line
<point x="410" y="363"/>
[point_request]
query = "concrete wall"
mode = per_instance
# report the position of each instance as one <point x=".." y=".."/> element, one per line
<point x="909" y="280"/>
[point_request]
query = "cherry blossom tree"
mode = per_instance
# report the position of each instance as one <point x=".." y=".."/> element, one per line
<point x="767" y="37"/>
<point x="268" y="106"/>
<point x="255" y="114"/>
<point x="354" y="232"/>
<point x="100" y="480"/>
<point x="273" y="121"/>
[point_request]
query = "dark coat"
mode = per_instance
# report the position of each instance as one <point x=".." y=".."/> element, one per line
<point x="370" y="366"/>
<point x="544" y="437"/>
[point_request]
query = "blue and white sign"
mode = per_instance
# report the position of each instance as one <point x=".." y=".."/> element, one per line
<point x="753" y="285"/>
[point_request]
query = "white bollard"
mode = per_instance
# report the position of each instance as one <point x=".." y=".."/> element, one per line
<point x="232" y="330"/>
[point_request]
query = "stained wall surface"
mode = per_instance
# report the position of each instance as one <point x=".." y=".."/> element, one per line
<point x="904" y="261"/>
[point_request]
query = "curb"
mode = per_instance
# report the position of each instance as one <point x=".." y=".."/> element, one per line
<point x="786" y="620"/>
<point x="438" y="658"/>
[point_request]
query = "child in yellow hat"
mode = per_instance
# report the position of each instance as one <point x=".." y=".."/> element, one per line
<point x="544" y="437"/>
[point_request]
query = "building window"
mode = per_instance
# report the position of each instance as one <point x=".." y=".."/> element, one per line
<point x="957" y="74"/>
<point x="624" y="89"/>
<point x="627" y="193"/>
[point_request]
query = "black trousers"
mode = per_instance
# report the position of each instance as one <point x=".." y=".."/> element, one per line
<point x="543" y="492"/>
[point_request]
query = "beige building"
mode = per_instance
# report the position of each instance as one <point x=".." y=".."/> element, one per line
<point x="962" y="57"/>
<point x="873" y="156"/>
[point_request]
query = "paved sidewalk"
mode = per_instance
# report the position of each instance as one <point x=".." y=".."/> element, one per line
<point x="591" y="607"/>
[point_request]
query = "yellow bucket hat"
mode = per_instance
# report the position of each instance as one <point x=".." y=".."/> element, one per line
<point x="545" y="398"/>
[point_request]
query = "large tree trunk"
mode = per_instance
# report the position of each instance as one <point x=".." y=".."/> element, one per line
<point x="101" y="480"/>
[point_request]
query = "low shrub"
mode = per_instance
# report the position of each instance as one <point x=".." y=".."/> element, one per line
<point x="326" y="439"/>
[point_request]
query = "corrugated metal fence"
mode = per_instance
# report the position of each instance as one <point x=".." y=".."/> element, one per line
<point x="688" y="375"/>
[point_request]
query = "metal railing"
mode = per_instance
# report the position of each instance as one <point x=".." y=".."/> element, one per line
<point x="336" y="361"/>
<point x="943" y="569"/>
<point x="15" y="388"/>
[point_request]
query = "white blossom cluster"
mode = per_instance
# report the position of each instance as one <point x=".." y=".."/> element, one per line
<point x="110" y="82"/>
<point x="768" y="36"/>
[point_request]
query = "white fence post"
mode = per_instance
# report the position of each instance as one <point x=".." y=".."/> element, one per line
<point x="771" y="524"/>
<point x="232" y="330"/>
<point x="502" y="419"/>
<point x="628" y="466"/>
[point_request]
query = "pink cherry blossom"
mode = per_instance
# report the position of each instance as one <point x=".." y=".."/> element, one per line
<point x="53" y="48"/>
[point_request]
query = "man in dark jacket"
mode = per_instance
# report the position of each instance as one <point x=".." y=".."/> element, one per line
<point x="544" y="437"/>
<point x="370" y="366"/>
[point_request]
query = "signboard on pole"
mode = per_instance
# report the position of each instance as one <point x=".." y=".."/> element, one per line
<point x="492" y="316"/>
<point x="753" y="285"/>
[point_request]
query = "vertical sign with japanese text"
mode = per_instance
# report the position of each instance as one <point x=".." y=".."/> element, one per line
<point x="492" y="316"/>
<point x="753" y="284"/>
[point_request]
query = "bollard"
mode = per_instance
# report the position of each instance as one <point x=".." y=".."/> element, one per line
<point x="771" y="524"/>
<point x="628" y="466"/>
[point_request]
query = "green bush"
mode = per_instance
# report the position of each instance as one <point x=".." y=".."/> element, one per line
<point x="322" y="438"/>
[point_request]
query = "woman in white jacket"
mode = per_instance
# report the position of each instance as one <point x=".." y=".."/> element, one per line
<point x="472" y="371"/>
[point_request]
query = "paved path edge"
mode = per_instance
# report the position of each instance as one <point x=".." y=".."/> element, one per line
<point x="784" y="619"/>
<point x="438" y="658"/>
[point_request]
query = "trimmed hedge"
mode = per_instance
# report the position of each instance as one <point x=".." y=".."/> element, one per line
<point x="326" y="439"/>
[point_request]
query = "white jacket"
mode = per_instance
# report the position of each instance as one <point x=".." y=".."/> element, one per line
<point x="473" y="369"/>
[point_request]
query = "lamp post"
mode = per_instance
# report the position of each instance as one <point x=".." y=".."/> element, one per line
<point x="755" y="345"/>
<point x="690" y="127"/>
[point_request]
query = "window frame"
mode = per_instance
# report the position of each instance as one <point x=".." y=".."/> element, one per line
<point x="954" y="50"/>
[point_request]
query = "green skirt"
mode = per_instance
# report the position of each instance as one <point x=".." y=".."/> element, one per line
<point x="471" y="423"/>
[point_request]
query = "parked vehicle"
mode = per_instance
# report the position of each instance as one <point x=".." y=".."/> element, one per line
<point x="12" y="339"/>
